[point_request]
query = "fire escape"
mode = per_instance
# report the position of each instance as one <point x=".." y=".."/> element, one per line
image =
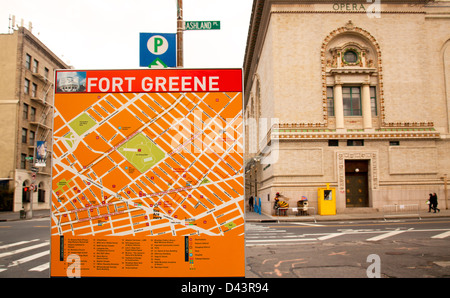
<point x="43" y="128"/>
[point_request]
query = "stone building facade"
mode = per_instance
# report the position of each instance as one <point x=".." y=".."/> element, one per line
<point x="351" y="93"/>
<point x="26" y="115"/>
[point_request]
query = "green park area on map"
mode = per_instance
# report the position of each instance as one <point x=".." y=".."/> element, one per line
<point x="82" y="123"/>
<point x="141" y="152"/>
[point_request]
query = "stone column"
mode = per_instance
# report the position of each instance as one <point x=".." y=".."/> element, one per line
<point x="366" y="108"/>
<point x="338" y="107"/>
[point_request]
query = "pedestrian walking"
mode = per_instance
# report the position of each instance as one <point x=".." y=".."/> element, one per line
<point x="250" y="203"/>
<point x="434" y="203"/>
<point x="429" y="202"/>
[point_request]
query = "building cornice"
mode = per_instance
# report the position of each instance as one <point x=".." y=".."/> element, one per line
<point x="260" y="18"/>
<point x="33" y="40"/>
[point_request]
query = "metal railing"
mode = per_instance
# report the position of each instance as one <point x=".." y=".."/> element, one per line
<point x="302" y="212"/>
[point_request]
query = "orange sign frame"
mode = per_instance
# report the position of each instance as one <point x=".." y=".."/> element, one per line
<point x="147" y="177"/>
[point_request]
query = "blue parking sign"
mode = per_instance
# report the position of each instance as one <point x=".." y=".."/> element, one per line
<point x="153" y="46"/>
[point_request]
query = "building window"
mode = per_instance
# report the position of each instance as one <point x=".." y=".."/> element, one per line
<point x="34" y="90"/>
<point x="373" y="101"/>
<point x="352" y="101"/>
<point x="28" y="61"/>
<point x="25" y="111"/>
<point x="27" y="86"/>
<point x="35" y="66"/>
<point x="23" y="161"/>
<point x="355" y="142"/>
<point x="32" y="136"/>
<point x="46" y="72"/>
<point x="33" y="114"/>
<point x="394" y="143"/>
<point x="333" y="143"/>
<point x="24" y="135"/>
<point x="330" y="101"/>
<point x="350" y="57"/>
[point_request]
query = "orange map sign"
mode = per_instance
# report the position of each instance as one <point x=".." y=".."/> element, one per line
<point x="148" y="173"/>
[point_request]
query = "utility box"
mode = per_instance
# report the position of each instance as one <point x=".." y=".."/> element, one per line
<point x="327" y="200"/>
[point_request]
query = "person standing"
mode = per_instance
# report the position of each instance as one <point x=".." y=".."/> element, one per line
<point x="250" y="203"/>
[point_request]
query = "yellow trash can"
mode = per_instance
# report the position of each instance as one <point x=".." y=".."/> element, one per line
<point x="327" y="200"/>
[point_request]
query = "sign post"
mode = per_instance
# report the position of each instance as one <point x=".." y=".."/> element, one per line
<point x="180" y="59"/>
<point x="148" y="173"/>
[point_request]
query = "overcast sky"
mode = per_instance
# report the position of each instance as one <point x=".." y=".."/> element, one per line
<point x="104" y="34"/>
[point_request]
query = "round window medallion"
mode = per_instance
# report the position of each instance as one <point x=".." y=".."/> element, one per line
<point x="350" y="56"/>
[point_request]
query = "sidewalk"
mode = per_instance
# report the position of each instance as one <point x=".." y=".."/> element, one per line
<point x="10" y="215"/>
<point x="255" y="217"/>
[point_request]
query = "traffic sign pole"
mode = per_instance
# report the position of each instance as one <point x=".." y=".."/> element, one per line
<point x="180" y="33"/>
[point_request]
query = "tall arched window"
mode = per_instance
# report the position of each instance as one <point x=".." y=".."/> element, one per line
<point x="352" y="78"/>
<point x="26" y="192"/>
<point x="41" y="192"/>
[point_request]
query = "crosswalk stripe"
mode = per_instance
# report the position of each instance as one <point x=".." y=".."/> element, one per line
<point x="13" y="252"/>
<point x="307" y="224"/>
<point x="17" y="243"/>
<point x="259" y="234"/>
<point x="280" y="240"/>
<point x="442" y="235"/>
<point x="385" y="235"/>
<point x="29" y="258"/>
<point x="331" y="235"/>
<point x="41" y="268"/>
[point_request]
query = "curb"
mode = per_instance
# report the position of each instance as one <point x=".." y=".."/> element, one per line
<point x="323" y="218"/>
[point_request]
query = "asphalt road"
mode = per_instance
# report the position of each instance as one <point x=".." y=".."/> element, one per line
<point x="25" y="248"/>
<point x="397" y="248"/>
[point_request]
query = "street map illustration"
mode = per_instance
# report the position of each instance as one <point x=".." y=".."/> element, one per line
<point x="148" y="173"/>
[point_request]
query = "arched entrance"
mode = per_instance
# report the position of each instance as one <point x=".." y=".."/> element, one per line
<point x="41" y="192"/>
<point x="26" y="192"/>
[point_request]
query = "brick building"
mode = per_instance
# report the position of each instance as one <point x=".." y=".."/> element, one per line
<point x="351" y="93"/>
<point x="26" y="113"/>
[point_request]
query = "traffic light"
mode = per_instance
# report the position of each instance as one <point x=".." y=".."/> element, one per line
<point x="26" y="194"/>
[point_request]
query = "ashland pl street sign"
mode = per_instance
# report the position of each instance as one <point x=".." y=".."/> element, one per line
<point x="202" y="25"/>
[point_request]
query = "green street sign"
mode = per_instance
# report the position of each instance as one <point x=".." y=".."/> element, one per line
<point x="202" y="25"/>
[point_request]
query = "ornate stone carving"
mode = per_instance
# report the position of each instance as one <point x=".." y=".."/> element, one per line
<point x="372" y="156"/>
